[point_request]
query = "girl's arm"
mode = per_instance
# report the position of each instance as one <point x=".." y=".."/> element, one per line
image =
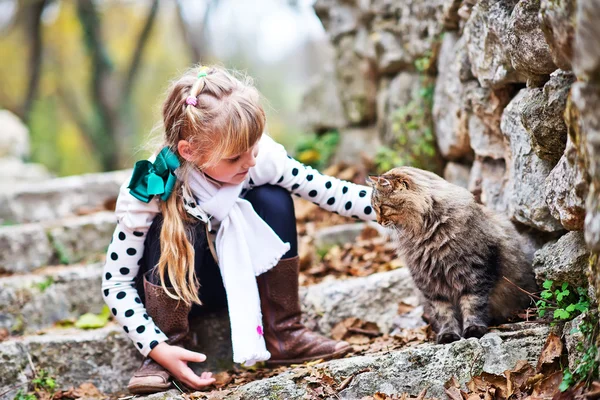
<point x="274" y="166"/>
<point x="125" y="251"/>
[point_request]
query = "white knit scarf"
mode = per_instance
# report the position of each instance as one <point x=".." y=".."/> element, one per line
<point x="246" y="247"/>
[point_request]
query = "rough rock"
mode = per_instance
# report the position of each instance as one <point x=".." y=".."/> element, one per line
<point x="457" y="174"/>
<point x="484" y="122"/>
<point x="14" y="136"/>
<point x="61" y="197"/>
<point x="527" y="171"/>
<point x="76" y="238"/>
<point x="35" y="301"/>
<point x="342" y="234"/>
<point x="573" y="337"/>
<point x="450" y="108"/>
<point x="403" y="32"/>
<point x="373" y="298"/>
<point x="356" y="142"/>
<point x="13" y="171"/>
<point x="321" y="105"/>
<point x="486" y="33"/>
<point x="29" y="246"/>
<point x="340" y="17"/>
<point x="24" y="248"/>
<point x="407" y="370"/>
<point x="488" y="182"/>
<point x="565" y="260"/>
<point x="586" y="62"/>
<point x="533" y="240"/>
<point x="543" y="116"/>
<point x="529" y="52"/>
<point x="557" y="18"/>
<point x="586" y="97"/>
<point x="566" y="190"/>
<point x="450" y="17"/>
<point x="105" y="357"/>
<point x="406" y="122"/>
<point x="357" y="83"/>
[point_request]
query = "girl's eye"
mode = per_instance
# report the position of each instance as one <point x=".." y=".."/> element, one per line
<point x="232" y="160"/>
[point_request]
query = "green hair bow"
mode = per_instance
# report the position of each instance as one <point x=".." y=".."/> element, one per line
<point x="158" y="178"/>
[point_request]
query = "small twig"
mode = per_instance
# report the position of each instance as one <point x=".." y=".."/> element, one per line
<point x="365" y="332"/>
<point x="345" y="383"/>
<point x="31" y="364"/>
<point x="177" y="386"/>
<point x="529" y="293"/>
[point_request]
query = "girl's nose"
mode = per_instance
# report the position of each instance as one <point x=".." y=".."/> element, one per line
<point x="250" y="162"/>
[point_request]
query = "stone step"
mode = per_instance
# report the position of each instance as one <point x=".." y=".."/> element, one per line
<point x="35" y="301"/>
<point x="66" y="241"/>
<point x="23" y="302"/>
<point x="105" y="357"/>
<point x="60" y="197"/>
<point x="409" y="370"/>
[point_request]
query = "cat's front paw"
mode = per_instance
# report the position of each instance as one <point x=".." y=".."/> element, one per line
<point x="447" y="337"/>
<point x="475" y="331"/>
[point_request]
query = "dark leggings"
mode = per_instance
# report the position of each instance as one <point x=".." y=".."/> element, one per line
<point x="272" y="203"/>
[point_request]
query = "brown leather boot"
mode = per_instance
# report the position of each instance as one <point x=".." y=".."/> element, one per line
<point x="287" y="339"/>
<point x="171" y="316"/>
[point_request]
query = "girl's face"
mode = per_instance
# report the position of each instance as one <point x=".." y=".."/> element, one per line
<point x="234" y="170"/>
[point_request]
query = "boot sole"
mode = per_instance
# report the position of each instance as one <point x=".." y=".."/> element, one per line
<point x="146" y="389"/>
<point x="326" y="357"/>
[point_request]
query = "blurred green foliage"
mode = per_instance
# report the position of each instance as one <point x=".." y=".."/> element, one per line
<point x="316" y="150"/>
<point x="412" y="126"/>
<point x="64" y="103"/>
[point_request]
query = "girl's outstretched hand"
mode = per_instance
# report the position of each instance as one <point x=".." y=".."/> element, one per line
<point x="175" y="359"/>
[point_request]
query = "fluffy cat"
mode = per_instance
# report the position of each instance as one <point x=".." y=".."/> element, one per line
<point x="457" y="251"/>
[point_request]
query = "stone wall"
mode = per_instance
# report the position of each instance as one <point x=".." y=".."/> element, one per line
<point x="515" y="107"/>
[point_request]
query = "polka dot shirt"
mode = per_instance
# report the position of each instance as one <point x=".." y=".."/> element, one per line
<point x="134" y="218"/>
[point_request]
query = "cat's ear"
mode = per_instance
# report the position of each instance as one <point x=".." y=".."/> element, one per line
<point x="378" y="181"/>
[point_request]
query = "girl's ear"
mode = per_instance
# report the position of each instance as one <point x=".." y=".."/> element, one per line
<point x="184" y="148"/>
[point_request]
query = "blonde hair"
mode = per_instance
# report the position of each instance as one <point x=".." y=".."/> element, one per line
<point x="227" y="120"/>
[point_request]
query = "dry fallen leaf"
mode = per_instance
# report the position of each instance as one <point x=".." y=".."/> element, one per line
<point x="404" y="308"/>
<point x="549" y="360"/>
<point x="4" y="334"/>
<point x="518" y="376"/>
<point x="355" y="328"/>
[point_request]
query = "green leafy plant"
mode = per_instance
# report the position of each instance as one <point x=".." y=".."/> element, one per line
<point x="24" y="396"/>
<point x="316" y="150"/>
<point x="45" y="284"/>
<point x="387" y="158"/>
<point x="44" y="382"/>
<point x="586" y="367"/>
<point x="564" y="301"/>
<point x="561" y="302"/>
<point x="44" y="386"/>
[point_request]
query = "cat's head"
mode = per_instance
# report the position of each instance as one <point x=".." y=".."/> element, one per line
<point x="401" y="196"/>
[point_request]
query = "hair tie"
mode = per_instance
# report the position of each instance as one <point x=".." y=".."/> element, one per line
<point x="203" y="72"/>
<point x="191" y="101"/>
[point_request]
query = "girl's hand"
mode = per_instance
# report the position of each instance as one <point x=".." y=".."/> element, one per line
<point x="174" y="359"/>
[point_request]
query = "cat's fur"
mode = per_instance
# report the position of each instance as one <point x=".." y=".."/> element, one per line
<point x="457" y="250"/>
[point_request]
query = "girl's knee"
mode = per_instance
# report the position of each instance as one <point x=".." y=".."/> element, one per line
<point x="269" y="199"/>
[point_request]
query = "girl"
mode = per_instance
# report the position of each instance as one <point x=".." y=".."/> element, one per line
<point x="209" y="221"/>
